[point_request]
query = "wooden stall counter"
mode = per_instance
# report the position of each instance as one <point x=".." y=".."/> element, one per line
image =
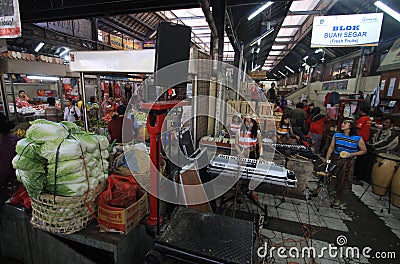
<point x="21" y="242"/>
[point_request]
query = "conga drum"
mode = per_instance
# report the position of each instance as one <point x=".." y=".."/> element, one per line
<point x="395" y="195"/>
<point x="382" y="173"/>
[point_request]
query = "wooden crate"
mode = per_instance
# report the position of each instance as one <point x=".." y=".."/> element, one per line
<point x="230" y="109"/>
<point x="265" y="108"/>
<point x="244" y="106"/>
<point x="236" y="105"/>
<point x="252" y="107"/>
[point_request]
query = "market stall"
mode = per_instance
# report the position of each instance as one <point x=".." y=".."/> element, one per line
<point x="39" y="79"/>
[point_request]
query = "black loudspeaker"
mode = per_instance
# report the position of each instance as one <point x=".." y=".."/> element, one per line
<point x="172" y="46"/>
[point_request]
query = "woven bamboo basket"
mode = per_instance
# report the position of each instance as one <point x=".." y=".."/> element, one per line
<point x="64" y="215"/>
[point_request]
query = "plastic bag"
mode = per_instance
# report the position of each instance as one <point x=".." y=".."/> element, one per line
<point x="121" y="191"/>
<point x="21" y="197"/>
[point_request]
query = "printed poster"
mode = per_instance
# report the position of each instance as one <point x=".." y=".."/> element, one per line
<point x="10" y="23"/>
<point x="391" y="86"/>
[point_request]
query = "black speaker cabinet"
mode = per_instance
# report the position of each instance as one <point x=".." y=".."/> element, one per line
<point x="172" y="46"/>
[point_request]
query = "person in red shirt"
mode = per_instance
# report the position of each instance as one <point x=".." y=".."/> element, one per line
<point x="317" y="121"/>
<point x="305" y="106"/>
<point x="363" y="123"/>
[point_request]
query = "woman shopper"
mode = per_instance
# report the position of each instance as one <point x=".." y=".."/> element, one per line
<point x="345" y="146"/>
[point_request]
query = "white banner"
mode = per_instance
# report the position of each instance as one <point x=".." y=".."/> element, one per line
<point x="10" y="23"/>
<point x="346" y="30"/>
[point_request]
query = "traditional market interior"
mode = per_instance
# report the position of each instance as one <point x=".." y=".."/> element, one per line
<point x="200" y="131"/>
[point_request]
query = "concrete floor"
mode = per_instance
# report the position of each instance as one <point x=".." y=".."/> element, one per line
<point x="300" y="223"/>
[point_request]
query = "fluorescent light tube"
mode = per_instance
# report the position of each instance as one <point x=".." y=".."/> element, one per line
<point x="262" y="36"/>
<point x="47" y="78"/>
<point x="388" y="10"/>
<point x="258" y="11"/>
<point x="64" y="52"/>
<point x="292" y="71"/>
<point x="256" y="68"/>
<point x="282" y="73"/>
<point x="39" y="46"/>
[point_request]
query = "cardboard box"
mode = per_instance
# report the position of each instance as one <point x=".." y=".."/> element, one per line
<point x="123" y="219"/>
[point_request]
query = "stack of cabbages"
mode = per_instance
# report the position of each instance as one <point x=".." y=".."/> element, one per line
<point x="60" y="159"/>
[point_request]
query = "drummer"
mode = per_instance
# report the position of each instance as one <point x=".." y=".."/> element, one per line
<point x="385" y="139"/>
<point x="344" y="148"/>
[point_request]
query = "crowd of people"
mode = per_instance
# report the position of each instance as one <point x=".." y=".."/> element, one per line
<point x="352" y="149"/>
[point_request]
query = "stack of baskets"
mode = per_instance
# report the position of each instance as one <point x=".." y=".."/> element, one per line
<point x="65" y="215"/>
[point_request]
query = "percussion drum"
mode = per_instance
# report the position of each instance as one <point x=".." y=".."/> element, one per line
<point x="382" y="173"/>
<point x="395" y="195"/>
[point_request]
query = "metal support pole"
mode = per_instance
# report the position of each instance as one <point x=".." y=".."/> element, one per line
<point x="60" y="93"/>
<point x="3" y="94"/>
<point x="194" y="96"/>
<point x="13" y="97"/>
<point x="359" y="71"/>
<point x="239" y="79"/>
<point x="82" y="91"/>
<point x="98" y="95"/>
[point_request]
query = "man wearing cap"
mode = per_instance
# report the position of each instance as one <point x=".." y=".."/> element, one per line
<point x="344" y="147"/>
<point x="248" y="141"/>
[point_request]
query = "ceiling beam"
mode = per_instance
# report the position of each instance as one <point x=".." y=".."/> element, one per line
<point x="120" y="29"/>
<point x="140" y="21"/>
<point x="41" y="11"/>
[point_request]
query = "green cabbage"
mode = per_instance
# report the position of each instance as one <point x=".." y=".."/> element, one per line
<point x="88" y="140"/>
<point x="42" y="130"/>
<point x="68" y="167"/>
<point x="70" y="149"/>
<point x="91" y="163"/>
<point x="72" y="127"/>
<point x="27" y="148"/>
<point x="33" y="182"/>
<point x="98" y="174"/>
<point x="72" y="189"/>
<point x="103" y="165"/>
<point x="67" y="179"/>
<point x="103" y="141"/>
<point x="28" y="164"/>
<point x="104" y="154"/>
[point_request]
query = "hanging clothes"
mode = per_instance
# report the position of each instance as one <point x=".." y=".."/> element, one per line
<point x="334" y="98"/>
<point x="327" y="97"/>
<point x="117" y="90"/>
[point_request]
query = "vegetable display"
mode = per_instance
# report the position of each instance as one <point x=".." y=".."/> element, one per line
<point x="60" y="159"/>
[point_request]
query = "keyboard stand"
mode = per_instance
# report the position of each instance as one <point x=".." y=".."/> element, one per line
<point x="243" y="191"/>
